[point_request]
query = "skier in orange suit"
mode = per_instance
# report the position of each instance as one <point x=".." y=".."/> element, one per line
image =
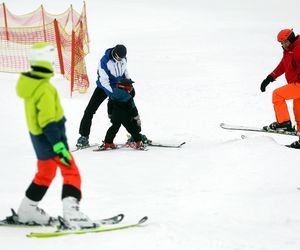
<point x="290" y="66"/>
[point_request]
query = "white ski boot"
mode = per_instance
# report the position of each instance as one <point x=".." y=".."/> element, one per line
<point x="73" y="217"/>
<point x="29" y="213"/>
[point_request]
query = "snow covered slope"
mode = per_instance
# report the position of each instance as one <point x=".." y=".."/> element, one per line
<point x="195" y="63"/>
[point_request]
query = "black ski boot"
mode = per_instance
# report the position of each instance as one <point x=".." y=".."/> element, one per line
<point x="82" y="142"/>
<point x="284" y="126"/>
<point x="145" y="140"/>
<point x="295" y="144"/>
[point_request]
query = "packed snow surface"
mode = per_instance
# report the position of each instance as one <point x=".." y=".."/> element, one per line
<point x="196" y="64"/>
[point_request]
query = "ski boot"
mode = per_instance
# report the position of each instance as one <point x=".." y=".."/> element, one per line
<point x="295" y="144"/>
<point x="284" y="126"/>
<point x="145" y="140"/>
<point x="73" y="218"/>
<point x="139" y="145"/>
<point x="82" y="142"/>
<point x="30" y="214"/>
<point x="107" y="146"/>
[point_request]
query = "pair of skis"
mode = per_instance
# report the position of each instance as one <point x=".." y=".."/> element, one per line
<point x="98" y="229"/>
<point x="103" y="225"/>
<point x="260" y="130"/>
<point x="126" y="145"/>
<point x="255" y="129"/>
<point x="122" y="146"/>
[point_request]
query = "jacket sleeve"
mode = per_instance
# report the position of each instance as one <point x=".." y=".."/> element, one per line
<point x="46" y="116"/>
<point x="120" y="95"/>
<point x="278" y="71"/>
<point x="126" y="74"/>
<point x="103" y="75"/>
<point x="46" y="108"/>
<point x="53" y="133"/>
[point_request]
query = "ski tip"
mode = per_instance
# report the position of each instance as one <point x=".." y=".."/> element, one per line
<point x="144" y="219"/>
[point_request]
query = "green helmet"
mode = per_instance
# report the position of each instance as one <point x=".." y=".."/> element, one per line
<point x="42" y="54"/>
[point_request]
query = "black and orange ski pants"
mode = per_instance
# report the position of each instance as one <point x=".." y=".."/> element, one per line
<point x="46" y="171"/>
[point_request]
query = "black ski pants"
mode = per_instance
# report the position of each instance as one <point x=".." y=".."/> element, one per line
<point x="86" y="122"/>
<point x="130" y="126"/>
<point x="121" y="115"/>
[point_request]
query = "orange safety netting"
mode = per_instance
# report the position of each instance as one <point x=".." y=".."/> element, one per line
<point x="66" y="31"/>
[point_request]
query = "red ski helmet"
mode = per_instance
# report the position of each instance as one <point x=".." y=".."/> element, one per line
<point x="283" y="35"/>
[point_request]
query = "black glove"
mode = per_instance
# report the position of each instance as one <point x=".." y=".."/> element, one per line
<point x="126" y="81"/>
<point x="265" y="83"/>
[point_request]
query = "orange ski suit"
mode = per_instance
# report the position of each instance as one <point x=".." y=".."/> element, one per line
<point x="290" y="66"/>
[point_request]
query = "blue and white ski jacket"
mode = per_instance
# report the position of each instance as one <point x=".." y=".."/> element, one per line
<point x="110" y="72"/>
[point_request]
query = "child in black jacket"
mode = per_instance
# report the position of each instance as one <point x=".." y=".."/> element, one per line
<point x="122" y="111"/>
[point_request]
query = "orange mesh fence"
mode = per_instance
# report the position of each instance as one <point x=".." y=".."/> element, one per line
<point x="66" y="31"/>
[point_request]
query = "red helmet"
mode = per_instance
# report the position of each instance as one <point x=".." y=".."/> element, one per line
<point x="283" y="35"/>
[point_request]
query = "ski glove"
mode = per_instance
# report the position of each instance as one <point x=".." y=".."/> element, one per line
<point x="126" y="81"/>
<point x="265" y="83"/>
<point x="138" y="120"/>
<point x="64" y="155"/>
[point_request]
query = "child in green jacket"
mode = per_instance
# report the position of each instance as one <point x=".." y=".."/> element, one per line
<point x="46" y="124"/>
